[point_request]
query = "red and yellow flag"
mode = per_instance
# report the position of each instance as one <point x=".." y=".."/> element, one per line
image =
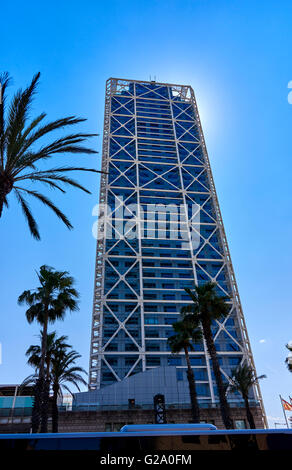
<point x="286" y="405"/>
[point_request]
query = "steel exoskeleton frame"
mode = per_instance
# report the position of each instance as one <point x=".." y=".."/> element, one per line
<point x="115" y="87"/>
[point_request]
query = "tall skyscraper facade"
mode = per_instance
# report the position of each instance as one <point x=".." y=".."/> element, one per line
<point x="160" y="230"/>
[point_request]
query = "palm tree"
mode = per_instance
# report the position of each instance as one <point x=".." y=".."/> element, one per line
<point x="34" y="351"/>
<point x="34" y="359"/>
<point x="206" y="307"/>
<point x="47" y="303"/>
<point x="20" y="156"/>
<point x="242" y="380"/>
<point x="60" y="369"/>
<point x="63" y="372"/>
<point x="187" y="333"/>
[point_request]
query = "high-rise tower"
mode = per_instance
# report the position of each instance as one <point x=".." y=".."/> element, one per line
<point x="160" y="230"/>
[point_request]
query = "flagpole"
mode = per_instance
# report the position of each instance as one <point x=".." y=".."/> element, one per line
<point x="284" y="412"/>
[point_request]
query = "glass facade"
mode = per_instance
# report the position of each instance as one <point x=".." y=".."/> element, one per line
<point x="160" y="230"/>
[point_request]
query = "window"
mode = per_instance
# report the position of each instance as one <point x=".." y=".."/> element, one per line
<point x="152" y="347"/>
<point x="130" y="347"/>
<point x="109" y="320"/>
<point x="150" y="308"/>
<point x="132" y="321"/>
<point x="169" y="308"/>
<point x="112" y="347"/>
<point x="168" y="296"/>
<point x="200" y="374"/>
<point x="202" y="389"/>
<point x="197" y="361"/>
<point x="174" y="361"/>
<point x="151" y="321"/>
<point x="152" y="333"/>
<point x="239" y="424"/>
<point x="108" y="333"/>
<point x="150" y="296"/>
<point x="170" y="321"/>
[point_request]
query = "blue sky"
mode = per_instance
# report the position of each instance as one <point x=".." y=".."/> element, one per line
<point x="237" y="57"/>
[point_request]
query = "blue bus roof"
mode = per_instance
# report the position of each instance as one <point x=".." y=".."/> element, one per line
<point x="93" y="435"/>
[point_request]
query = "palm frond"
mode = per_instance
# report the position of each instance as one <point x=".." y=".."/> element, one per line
<point x="34" y="123"/>
<point x="30" y="380"/>
<point x="49" y="182"/>
<point x="17" y="116"/>
<point x="49" y="203"/>
<point x="46" y="129"/>
<point x="50" y="178"/>
<point x="20" y="158"/>
<point x="5" y="80"/>
<point x="191" y="294"/>
<point x="53" y="172"/>
<point x="29" y="217"/>
<point x="66" y="144"/>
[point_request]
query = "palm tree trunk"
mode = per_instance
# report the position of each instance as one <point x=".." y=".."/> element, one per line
<point x="45" y="405"/>
<point x="249" y="413"/>
<point x="192" y="387"/>
<point x="44" y="346"/>
<point x="55" y="411"/>
<point x="6" y="185"/>
<point x="35" y="418"/>
<point x="46" y="397"/>
<point x="225" y="410"/>
<point x="45" y="385"/>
